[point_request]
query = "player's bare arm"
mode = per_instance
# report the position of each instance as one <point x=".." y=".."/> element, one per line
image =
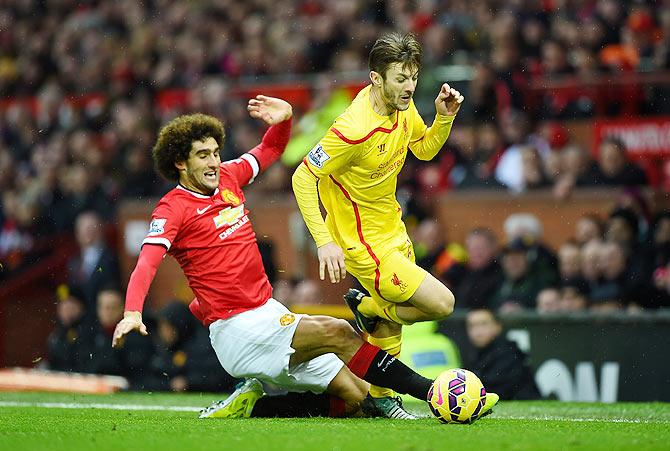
<point x="331" y="258"/>
<point x="448" y="101"/>
<point x="269" y="109"/>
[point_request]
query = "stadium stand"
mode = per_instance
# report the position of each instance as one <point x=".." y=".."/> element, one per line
<point x="84" y="86"/>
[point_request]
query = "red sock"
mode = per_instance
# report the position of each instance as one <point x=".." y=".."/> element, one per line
<point x="361" y="361"/>
<point x="337" y="407"/>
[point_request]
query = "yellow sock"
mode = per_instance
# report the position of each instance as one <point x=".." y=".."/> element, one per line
<point x="392" y="346"/>
<point x="392" y="314"/>
<point x="370" y="308"/>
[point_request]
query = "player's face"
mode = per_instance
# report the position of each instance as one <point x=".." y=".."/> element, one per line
<point x="200" y="173"/>
<point x="399" y="85"/>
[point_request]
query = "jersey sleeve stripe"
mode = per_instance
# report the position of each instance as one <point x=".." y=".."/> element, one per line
<point x="157" y="240"/>
<point x="361" y="238"/>
<point x="255" y="167"/>
<point x="304" y="160"/>
<point x="369" y="135"/>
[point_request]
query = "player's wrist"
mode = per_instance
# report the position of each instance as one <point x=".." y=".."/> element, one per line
<point x="446" y="115"/>
<point x="132" y="314"/>
<point x="326" y="243"/>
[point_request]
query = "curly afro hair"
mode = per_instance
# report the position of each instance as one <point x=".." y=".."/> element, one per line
<point x="176" y="138"/>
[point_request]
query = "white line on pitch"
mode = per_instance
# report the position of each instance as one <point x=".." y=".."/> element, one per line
<point x="62" y="405"/>
<point x="585" y="420"/>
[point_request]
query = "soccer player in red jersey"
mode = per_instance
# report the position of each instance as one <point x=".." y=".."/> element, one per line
<point x="203" y="224"/>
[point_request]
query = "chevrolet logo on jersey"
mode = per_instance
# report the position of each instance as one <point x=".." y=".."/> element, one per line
<point x="229" y="216"/>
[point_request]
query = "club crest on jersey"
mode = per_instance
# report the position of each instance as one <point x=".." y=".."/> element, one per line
<point x="229" y="216"/>
<point x="157" y="227"/>
<point x="286" y="319"/>
<point x="230" y="197"/>
<point x="404" y="126"/>
<point x="398" y="283"/>
<point x="317" y="156"/>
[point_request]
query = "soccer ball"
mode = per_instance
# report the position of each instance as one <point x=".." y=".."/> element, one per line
<point x="457" y="396"/>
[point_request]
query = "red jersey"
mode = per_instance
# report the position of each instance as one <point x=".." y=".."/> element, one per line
<point x="212" y="240"/>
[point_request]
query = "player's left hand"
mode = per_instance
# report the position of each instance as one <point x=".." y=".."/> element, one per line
<point x="269" y="109"/>
<point x="448" y="101"/>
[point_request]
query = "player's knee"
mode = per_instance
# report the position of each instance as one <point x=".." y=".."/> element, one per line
<point x="445" y="305"/>
<point x="340" y="333"/>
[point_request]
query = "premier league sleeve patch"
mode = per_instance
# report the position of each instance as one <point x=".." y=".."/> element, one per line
<point x="157" y="227"/>
<point x="317" y="156"/>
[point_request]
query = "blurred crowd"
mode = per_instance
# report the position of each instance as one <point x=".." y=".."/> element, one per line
<point x="176" y="356"/>
<point x="83" y="85"/>
<point x="618" y="263"/>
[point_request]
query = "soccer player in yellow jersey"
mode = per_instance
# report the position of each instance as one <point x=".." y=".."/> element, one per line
<point x="353" y="170"/>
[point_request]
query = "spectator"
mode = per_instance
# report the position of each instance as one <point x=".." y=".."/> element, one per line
<point x="622" y="228"/>
<point x="660" y="239"/>
<point x="509" y="172"/>
<point x="613" y="168"/>
<point x="569" y="261"/>
<point x="482" y="89"/>
<point x="16" y="232"/>
<point x="185" y="357"/>
<point x="519" y="288"/>
<point x="549" y="301"/>
<point x="131" y="361"/>
<point x="661" y="288"/>
<point x="556" y="104"/>
<point x="82" y="192"/>
<point x="140" y="179"/>
<point x="69" y="343"/>
<point x="542" y="261"/>
<point x="634" y="199"/>
<point x="589" y="227"/>
<point x="428" y="243"/>
<point x="499" y="362"/>
<point x="476" y="282"/>
<point x="475" y="164"/>
<point x="573" y="296"/>
<point x="532" y="170"/>
<point x="577" y="169"/>
<point x="95" y="266"/>
<point x="619" y="287"/>
<point x="431" y="251"/>
<point x="590" y="258"/>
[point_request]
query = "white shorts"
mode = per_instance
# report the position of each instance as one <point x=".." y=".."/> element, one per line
<point x="257" y="343"/>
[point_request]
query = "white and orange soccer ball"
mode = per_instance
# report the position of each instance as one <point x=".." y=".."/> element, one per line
<point x="457" y="396"/>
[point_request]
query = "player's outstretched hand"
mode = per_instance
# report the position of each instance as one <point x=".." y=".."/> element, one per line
<point x="131" y="321"/>
<point x="448" y="101"/>
<point x="331" y="257"/>
<point x="269" y="109"/>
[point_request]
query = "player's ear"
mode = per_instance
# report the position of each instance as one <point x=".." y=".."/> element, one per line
<point x="375" y="78"/>
<point x="181" y="165"/>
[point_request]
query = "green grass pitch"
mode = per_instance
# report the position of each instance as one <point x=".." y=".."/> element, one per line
<point x="35" y="421"/>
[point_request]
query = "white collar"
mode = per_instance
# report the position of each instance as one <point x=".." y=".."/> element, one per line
<point x="198" y="195"/>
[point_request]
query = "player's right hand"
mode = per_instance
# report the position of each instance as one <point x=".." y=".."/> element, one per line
<point x="331" y="258"/>
<point x="131" y="321"/>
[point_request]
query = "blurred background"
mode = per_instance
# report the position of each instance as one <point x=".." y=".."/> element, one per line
<point x="548" y="204"/>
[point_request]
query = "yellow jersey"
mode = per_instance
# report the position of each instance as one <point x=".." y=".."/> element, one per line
<point x="356" y="165"/>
